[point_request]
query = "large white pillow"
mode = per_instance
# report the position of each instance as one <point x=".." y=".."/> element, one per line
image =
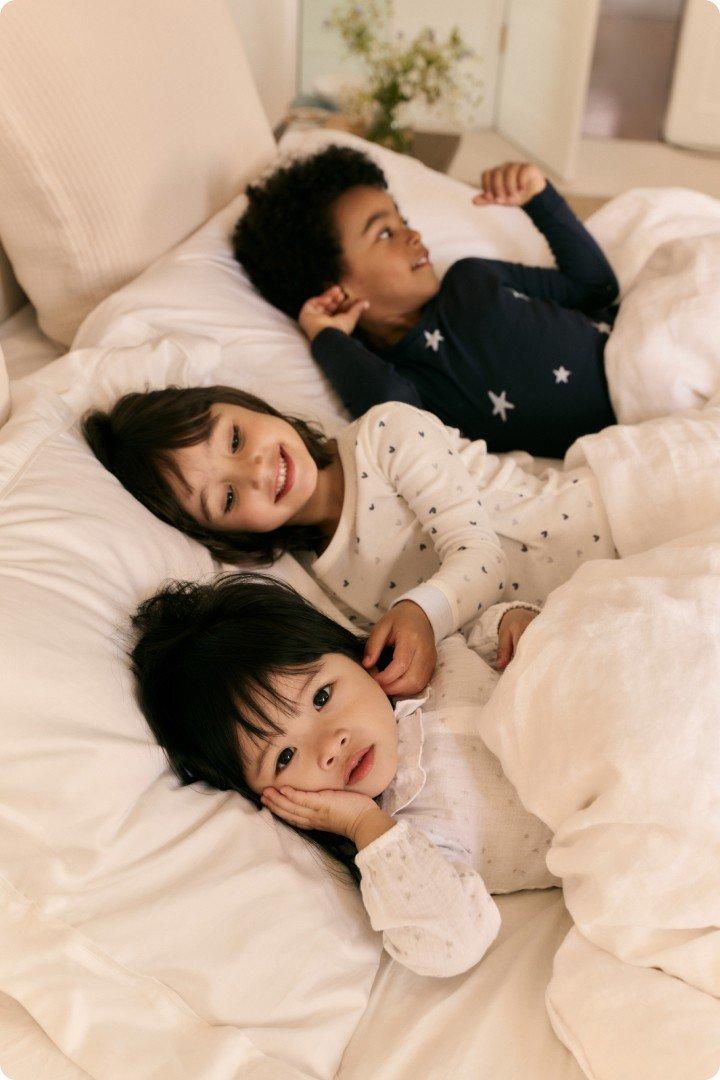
<point x="124" y="126"/>
<point x="149" y="930"/>
<point x="198" y="287"/>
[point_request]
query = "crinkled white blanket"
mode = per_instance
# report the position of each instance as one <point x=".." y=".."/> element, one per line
<point x="608" y="724"/>
<point x="664" y="352"/>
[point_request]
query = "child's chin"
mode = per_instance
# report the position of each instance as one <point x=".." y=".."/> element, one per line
<point x="430" y="288"/>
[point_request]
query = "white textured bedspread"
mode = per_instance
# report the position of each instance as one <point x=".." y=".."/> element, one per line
<point x="664" y="352"/>
<point x="608" y="724"/>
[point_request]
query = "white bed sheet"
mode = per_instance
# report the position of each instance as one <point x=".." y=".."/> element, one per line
<point x="492" y="1016"/>
<point x="25" y="348"/>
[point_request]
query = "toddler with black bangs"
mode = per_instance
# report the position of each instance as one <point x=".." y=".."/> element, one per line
<point x="508" y="353"/>
<point x="249" y="688"/>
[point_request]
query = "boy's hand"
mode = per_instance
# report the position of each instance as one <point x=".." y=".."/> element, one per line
<point x="346" y="813"/>
<point x="511" y="184"/>
<point x="407" y="629"/>
<point x="513" y="625"/>
<point x="332" y="308"/>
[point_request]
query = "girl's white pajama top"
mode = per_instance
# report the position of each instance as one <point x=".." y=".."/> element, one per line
<point x="461" y="831"/>
<point x="432" y="517"/>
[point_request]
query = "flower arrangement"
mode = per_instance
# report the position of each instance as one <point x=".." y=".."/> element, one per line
<point x="399" y="71"/>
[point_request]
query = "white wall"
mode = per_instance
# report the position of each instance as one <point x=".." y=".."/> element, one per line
<point x="269" y="33"/>
<point x="479" y="22"/>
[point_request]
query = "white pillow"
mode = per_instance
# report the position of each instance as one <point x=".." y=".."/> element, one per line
<point x="124" y="127"/>
<point x="199" y="288"/>
<point x="145" y="912"/>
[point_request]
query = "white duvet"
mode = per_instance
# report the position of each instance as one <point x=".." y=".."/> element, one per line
<point x="608" y="724"/>
<point x="664" y="352"/>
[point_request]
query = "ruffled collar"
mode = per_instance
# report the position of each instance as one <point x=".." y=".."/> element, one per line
<point x="410" y="776"/>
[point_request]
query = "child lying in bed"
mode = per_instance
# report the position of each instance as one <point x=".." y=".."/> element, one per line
<point x="507" y="353"/>
<point x="250" y="688"/>
<point x="403" y="516"/>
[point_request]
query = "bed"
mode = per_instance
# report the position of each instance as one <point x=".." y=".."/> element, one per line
<point x="150" y="931"/>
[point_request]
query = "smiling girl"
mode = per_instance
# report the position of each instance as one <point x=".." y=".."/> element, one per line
<point x="412" y="529"/>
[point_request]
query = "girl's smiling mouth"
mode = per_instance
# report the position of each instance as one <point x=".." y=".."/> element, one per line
<point x="285" y="476"/>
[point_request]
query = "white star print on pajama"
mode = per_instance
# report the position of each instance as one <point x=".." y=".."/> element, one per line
<point x="561" y="374"/>
<point x="432" y="340"/>
<point x="500" y="404"/>
<point x="431" y="517"/>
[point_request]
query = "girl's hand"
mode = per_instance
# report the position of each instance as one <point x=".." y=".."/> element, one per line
<point x="346" y="813"/>
<point x="513" y="625"/>
<point x="332" y="308"/>
<point x="407" y="629"/>
<point x="511" y="184"/>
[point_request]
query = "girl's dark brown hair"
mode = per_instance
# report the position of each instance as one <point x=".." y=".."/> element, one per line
<point x="135" y="440"/>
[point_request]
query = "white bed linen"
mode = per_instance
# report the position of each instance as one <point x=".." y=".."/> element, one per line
<point x="25" y="348"/>
<point x="624" y="766"/>
<point x="490" y="1021"/>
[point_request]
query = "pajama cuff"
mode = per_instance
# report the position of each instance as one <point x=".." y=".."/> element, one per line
<point x="490" y="621"/>
<point x="435" y="605"/>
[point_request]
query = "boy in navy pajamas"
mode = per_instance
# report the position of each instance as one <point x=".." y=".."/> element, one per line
<point x="507" y="353"/>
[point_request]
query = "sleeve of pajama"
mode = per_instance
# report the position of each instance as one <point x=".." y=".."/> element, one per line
<point x="584" y="278"/>
<point x="359" y="377"/>
<point x="436" y="916"/>
<point x="418" y="455"/>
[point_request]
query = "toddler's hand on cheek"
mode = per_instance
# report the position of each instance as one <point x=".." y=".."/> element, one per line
<point x="346" y="813"/>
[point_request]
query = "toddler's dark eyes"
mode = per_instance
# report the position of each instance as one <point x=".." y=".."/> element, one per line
<point x="285" y="757"/>
<point x="322" y="696"/>
<point x="229" y="499"/>
<point x="235" y="441"/>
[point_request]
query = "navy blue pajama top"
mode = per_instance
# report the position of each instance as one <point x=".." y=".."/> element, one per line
<point x="508" y="353"/>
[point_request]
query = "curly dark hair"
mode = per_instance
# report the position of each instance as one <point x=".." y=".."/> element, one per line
<point x="135" y="440"/>
<point x="286" y="239"/>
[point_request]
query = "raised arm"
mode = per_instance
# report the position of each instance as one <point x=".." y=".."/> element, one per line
<point x="584" y="278"/>
<point x="359" y="377"/>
